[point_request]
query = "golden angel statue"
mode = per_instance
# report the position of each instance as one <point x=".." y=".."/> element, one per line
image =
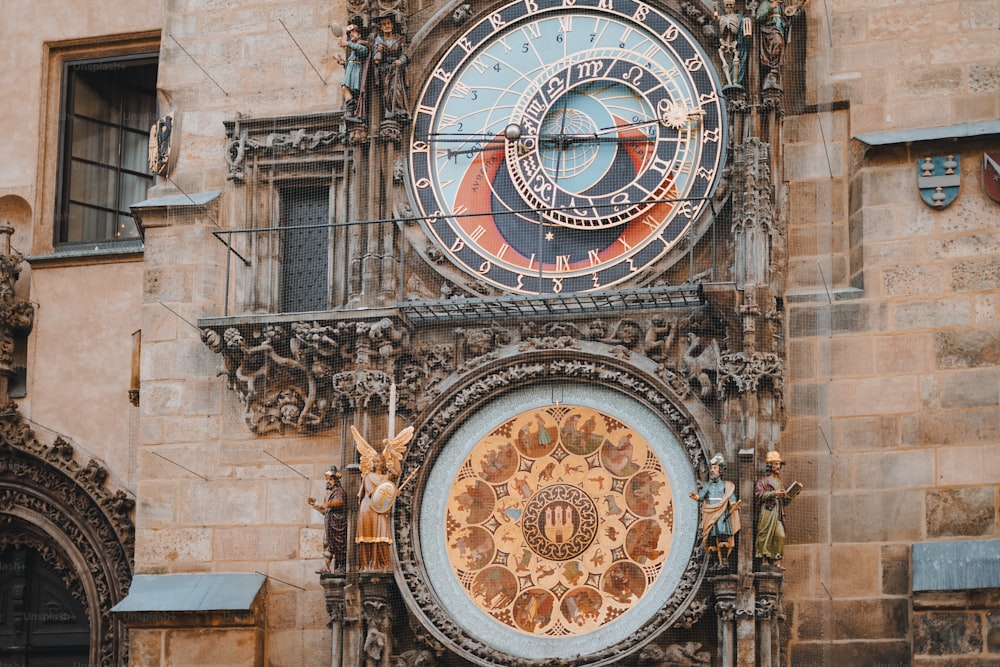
<point x="379" y="473"/>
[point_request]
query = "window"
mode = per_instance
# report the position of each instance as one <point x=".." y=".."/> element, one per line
<point x="108" y="107"/>
<point x="305" y="213"/>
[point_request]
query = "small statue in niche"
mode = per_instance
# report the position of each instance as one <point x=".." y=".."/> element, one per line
<point x="334" y="511"/>
<point x="734" y="43"/>
<point x="390" y="69"/>
<point x="720" y="515"/>
<point x="355" y="65"/>
<point x="159" y="145"/>
<point x="379" y="472"/>
<point x="771" y="497"/>
<point x="774" y="17"/>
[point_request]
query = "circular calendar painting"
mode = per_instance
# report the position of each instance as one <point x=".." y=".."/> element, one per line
<point x="559" y="520"/>
<point x="559" y="528"/>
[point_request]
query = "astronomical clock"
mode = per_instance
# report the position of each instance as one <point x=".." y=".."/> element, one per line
<point x="566" y="147"/>
<point x="560" y="148"/>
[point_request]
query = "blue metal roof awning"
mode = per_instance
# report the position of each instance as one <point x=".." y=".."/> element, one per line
<point x="894" y="137"/>
<point x="176" y="201"/>
<point x="956" y="566"/>
<point x="191" y="592"/>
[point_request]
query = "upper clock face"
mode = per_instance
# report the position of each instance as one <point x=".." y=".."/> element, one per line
<point x="564" y="146"/>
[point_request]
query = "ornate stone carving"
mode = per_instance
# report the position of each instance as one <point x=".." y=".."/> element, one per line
<point x="16" y="315"/>
<point x="725" y="610"/>
<point x="693" y="613"/>
<point x="46" y="481"/>
<point x="686" y="654"/>
<point x="304" y="375"/>
<point x="701" y="363"/>
<point x="744" y="372"/>
<point x="281" y="137"/>
<point x="753" y="212"/>
<point x="301" y="374"/>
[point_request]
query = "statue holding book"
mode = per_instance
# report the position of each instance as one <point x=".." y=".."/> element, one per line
<point x="771" y="496"/>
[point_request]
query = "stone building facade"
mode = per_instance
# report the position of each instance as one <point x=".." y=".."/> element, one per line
<point x="214" y="267"/>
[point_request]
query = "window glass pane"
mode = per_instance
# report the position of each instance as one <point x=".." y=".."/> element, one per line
<point x="88" y="224"/>
<point x="133" y="190"/>
<point x="92" y="96"/>
<point x="136" y="151"/>
<point x="95" y="141"/>
<point x="92" y="184"/>
<point x="126" y="228"/>
<point x="139" y="109"/>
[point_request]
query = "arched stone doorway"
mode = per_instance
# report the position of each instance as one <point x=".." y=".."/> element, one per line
<point x="43" y="616"/>
<point x="66" y="553"/>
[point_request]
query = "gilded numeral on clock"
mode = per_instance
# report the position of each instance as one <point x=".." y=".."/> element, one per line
<point x="651" y="51"/>
<point x="708" y="98"/>
<point x="485" y="267"/>
<point x="448" y="121"/>
<point x="707" y="174"/>
<point x="694" y="63"/>
<point x="562" y="262"/>
<point x="443" y="74"/>
<point x="592" y="254"/>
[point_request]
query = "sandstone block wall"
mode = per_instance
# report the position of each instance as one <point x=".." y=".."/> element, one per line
<point x="892" y="332"/>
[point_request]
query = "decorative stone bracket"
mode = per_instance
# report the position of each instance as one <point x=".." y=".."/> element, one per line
<point x="303" y="375"/>
<point x="281" y="138"/>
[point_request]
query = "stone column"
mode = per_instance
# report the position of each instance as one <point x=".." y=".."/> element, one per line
<point x="352" y="654"/>
<point x="377" y="591"/>
<point x="725" y="610"/>
<point x="333" y="590"/>
<point x="745" y="628"/>
<point x="768" y="612"/>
